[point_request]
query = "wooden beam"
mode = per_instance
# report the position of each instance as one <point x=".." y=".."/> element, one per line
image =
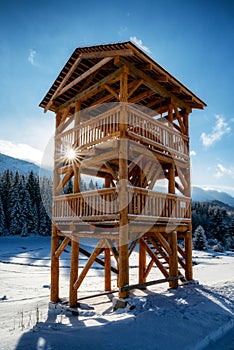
<point x="108" y="53"/>
<point x="123" y="190"/>
<point x="188" y="255"/>
<point x="135" y="87"/>
<point x="66" y="178"/>
<point x="94" y="255"/>
<point x="63" y="82"/>
<point x="62" y="246"/>
<point x="112" y="91"/>
<point x="150" y="283"/>
<point x="156" y="261"/>
<point x="74" y="272"/>
<point x="54" y="275"/>
<point x="141" y="96"/>
<point x="99" y="261"/>
<point x="151" y="83"/>
<point x="173" y="259"/>
<point x="107" y="269"/>
<point x="92" y="90"/>
<point x="142" y="262"/>
<point x="85" y="75"/>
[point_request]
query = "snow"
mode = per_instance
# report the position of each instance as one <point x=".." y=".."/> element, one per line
<point x="195" y="316"/>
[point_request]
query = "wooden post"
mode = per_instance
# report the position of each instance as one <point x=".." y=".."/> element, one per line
<point x="54" y="289"/>
<point x="107" y="269"/>
<point x="142" y="262"/>
<point x="171" y="179"/>
<point x="123" y="190"/>
<point x="74" y="272"/>
<point x="173" y="259"/>
<point x="188" y="255"/>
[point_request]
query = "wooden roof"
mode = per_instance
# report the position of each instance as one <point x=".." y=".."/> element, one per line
<point x="91" y="76"/>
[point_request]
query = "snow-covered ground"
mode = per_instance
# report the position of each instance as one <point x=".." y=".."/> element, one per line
<point x="197" y="316"/>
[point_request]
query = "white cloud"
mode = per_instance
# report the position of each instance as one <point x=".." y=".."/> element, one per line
<point x="31" y="56"/>
<point x="139" y="43"/>
<point x="20" y="151"/>
<point x="222" y="171"/>
<point x="193" y="153"/>
<point x="218" y="131"/>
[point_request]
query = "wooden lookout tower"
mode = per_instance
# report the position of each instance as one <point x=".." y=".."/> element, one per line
<point x="124" y="120"/>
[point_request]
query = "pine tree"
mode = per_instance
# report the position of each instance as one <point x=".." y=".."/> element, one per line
<point x="15" y="223"/>
<point x="199" y="241"/>
<point x="44" y="222"/>
<point x="2" y="219"/>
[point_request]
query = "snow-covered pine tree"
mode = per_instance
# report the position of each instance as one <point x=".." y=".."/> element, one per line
<point x="15" y="218"/>
<point x="199" y="241"/>
<point x="44" y="222"/>
<point x="2" y="219"/>
<point x="6" y="188"/>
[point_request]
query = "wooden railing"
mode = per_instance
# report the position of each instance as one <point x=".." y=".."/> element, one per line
<point x="90" y="132"/>
<point x="144" y="202"/>
<point x="143" y="126"/>
<point x="86" y="204"/>
<point x="139" y="125"/>
<point x="103" y="204"/>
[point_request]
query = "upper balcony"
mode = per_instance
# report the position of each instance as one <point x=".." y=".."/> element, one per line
<point x="153" y="132"/>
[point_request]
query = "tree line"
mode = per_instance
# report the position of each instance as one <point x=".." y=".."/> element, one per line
<point x="213" y="225"/>
<point x="26" y="207"/>
<point x="25" y="204"/>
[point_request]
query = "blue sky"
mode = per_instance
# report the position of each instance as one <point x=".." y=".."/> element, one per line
<point x="193" y="40"/>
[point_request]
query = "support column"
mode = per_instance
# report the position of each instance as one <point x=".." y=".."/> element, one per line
<point x="54" y="289"/>
<point x="173" y="259"/>
<point x="107" y="269"/>
<point x="188" y="245"/>
<point x="123" y="190"/>
<point x="142" y="262"/>
<point x="74" y="272"/>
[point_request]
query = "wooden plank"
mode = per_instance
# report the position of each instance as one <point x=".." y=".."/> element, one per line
<point x="85" y="75"/>
<point x="74" y="272"/>
<point x="92" y="90"/>
<point x="62" y="246"/>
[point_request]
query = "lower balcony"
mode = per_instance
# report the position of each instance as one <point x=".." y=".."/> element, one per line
<point x="102" y="206"/>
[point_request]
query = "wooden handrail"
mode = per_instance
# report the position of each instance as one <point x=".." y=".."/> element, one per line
<point x="106" y="125"/>
<point x="104" y="202"/>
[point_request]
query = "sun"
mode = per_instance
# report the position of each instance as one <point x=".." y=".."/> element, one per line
<point x="71" y="154"/>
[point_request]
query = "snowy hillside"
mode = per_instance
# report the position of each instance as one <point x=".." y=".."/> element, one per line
<point x="193" y="317"/>
<point x="201" y="195"/>
<point x="14" y="164"/>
